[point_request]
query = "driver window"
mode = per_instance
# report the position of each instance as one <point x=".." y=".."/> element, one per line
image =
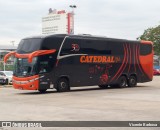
<point x="43" y="67"/>
<point x="46" y="63"/>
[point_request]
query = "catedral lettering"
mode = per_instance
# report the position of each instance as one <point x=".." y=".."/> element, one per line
<point x="97" y="59"/>
<point x="63" y="61"/>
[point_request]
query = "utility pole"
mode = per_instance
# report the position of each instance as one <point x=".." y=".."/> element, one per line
<point x="73" y="7"/>
<point x="4" y="66"/>
<point x="13" y="42"/>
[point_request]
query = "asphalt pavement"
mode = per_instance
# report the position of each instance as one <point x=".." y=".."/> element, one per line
<point x="141" y="103"/>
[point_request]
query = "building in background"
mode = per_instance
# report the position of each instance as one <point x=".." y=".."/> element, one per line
<point x="4" y="49"/>
<point x="58" y="22"/>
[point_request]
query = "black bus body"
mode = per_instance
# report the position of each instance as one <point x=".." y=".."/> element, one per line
<point x="81" y="60"/>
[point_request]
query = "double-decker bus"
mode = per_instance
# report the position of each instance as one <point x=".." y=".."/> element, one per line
<point x="62" y="61"/>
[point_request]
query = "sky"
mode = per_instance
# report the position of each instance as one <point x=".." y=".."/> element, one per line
<point x="126" y="19"/>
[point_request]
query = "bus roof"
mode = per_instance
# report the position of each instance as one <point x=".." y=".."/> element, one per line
<point x="80" y="36"/>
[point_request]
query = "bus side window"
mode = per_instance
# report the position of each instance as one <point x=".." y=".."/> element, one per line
<point x="97" y="47"/>
<point x="145" y="49"/>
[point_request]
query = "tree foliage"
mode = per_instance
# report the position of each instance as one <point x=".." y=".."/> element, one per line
<point x="152" y="34"/>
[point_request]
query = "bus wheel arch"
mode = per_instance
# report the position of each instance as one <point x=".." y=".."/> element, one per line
<point x="132" y="81"/>
<point x="63" y="84"/>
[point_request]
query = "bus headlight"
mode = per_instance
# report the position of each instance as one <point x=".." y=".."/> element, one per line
<point x="32" y="80"/>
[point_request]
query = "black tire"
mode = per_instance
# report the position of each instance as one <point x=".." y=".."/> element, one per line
<point x="42" y="90"/>
<point x="63" y="85"/>
<point x="132" y="82"/>
<point x="122" y="82"/>
<point x="103" y="86"/>
<point x="6" y="82"/>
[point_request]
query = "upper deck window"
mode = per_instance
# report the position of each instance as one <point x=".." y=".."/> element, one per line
<point x="145" y="49"/>
<point x="52" y="43"/>
<point x="29" y="45"/>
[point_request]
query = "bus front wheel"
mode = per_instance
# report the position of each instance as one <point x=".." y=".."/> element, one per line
<point x="63" y="85"/>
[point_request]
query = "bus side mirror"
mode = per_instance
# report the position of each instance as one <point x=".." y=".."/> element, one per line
<point x="8" y="55"/>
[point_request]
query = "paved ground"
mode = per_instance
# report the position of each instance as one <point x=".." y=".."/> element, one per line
<point x="141" y="103"/>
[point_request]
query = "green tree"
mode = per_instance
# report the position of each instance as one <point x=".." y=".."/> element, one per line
<point x="152" y="34"/>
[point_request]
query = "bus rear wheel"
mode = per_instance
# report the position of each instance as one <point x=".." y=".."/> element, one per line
<point x="122" y="82"/>
<point x="132" y="82"/>
<point x="63" y="85"/>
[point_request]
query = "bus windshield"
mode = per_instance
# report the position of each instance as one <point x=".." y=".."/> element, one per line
<point x="29" y="45"/>
<point x="22" y="68"/>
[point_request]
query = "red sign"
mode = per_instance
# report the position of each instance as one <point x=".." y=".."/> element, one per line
<point x="61" y="12"/>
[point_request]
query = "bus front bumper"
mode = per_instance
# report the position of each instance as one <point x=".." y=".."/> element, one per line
<point x="27" y="83"/>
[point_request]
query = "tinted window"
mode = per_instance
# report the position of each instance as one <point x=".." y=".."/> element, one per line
<point x="145" y="49"/>
<point x="29" y="45"/>
<point x="92" y="46"/>
<point x="52" y="43"/>
<point x="95" y="47"/>
<point x="116" y="47"/>
<point x="46" y="63"/>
